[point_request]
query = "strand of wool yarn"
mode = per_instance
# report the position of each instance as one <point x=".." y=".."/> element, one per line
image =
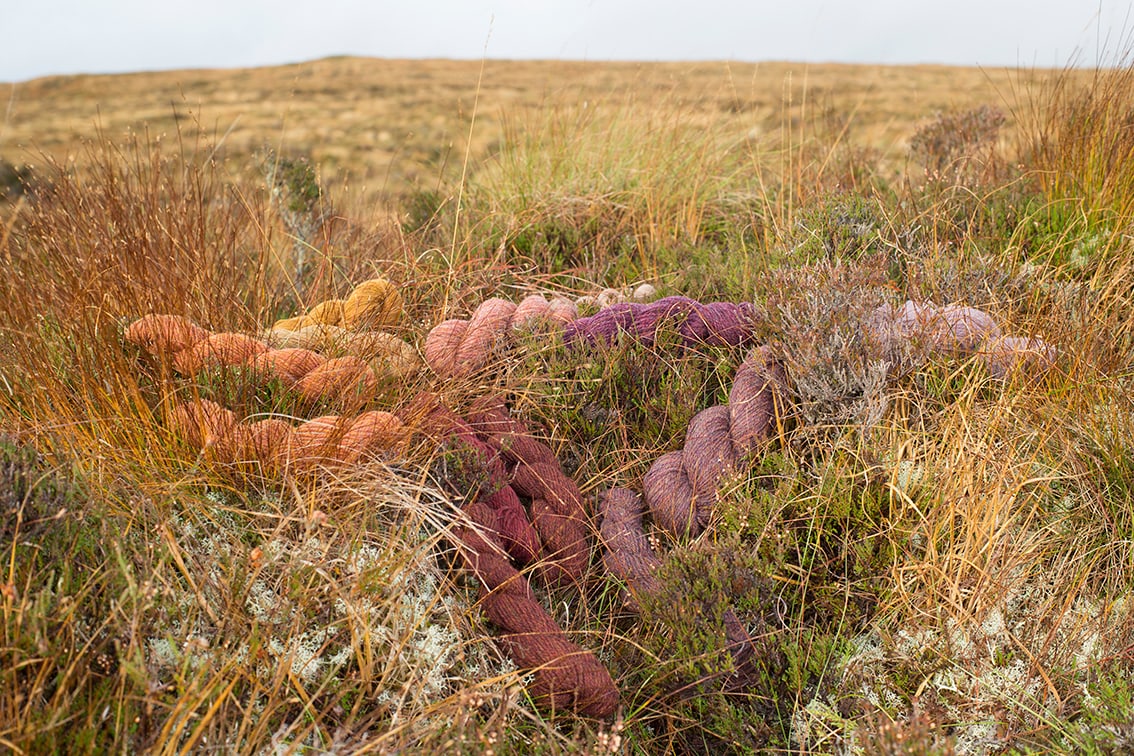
<point x="457" y="348"/>
<point x="628" y="555"/>
<point x="429" y="415"/>
<point x="713" y="324"/>
<point x="313" y="376"/>
<point x="556" y="505"/>
<point x="961" y="331"/>
<point x="565" y="675"/>
<point x="680" y="488"/>
<point x="351" y="326"/>
<point x="274" y="445"/>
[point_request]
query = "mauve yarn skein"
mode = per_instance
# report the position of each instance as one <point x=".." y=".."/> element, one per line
<point x="713" y="324"/>
<point x="961" y="331"/>
<point x="681" y="486"/>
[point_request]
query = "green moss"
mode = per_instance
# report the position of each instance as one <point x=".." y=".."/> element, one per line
<point x="71" y="582"/>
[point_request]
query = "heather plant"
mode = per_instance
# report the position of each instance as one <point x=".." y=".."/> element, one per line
<point x="959" y="148"/>
<point x="298" y="197"/>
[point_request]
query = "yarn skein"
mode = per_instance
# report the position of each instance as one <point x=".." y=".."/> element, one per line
<point x="680" y="488"/>
<point x="456" y="348"/>
<point x="372" y="305"/>
<point x="565" y="676"/>
<point x="556" y="505"/>
<point x="313" y="376"/>
<point x="274" y="445"/>
<point x="712" y="324"/>
<point x="960" y="331"/>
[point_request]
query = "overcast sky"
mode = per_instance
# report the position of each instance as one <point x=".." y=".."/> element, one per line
<point x="43" y="37"/>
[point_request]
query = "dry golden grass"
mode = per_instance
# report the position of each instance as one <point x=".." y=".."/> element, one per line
<point x="393" y="124"/>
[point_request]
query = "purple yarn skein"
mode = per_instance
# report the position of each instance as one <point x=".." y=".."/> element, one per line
<point x="713" y="324"/>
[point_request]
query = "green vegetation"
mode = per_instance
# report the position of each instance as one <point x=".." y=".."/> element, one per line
<point x="928" y="560"/>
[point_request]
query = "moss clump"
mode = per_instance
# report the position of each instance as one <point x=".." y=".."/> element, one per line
<point x="69" y="581"/>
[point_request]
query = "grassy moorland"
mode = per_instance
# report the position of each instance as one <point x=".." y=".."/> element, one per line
<point x="931" y="560"/>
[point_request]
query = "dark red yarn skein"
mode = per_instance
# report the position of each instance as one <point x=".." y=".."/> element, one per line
<point x="566" y="675"/>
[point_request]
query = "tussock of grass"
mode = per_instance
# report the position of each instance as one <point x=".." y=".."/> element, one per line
<point x="926" y="558"/>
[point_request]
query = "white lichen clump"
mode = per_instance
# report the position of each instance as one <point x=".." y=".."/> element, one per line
<point x="313" y="606"/>
<point x="977" y="673"/>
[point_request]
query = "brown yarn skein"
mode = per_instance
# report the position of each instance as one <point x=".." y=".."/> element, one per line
<point x="566" y="676"/>
<point x="557" y="510"/>
<point x="629" y="556"/>
<point x="681" y="487"/>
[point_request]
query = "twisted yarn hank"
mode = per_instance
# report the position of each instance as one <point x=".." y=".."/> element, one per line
<point x="456" y="348"/>
<point x="565" y="675"/>
<point x="314" y="377"/>
<point x="712" y="324"/>
<point x="557" y="510"/>
<point x="371" y="305"/>
<point x="680" y="488"/>
<point x="520" y="539"/>
<point x="628" y="555"/>
<point x="961" y="331"/>
<point x="274" y="445"/>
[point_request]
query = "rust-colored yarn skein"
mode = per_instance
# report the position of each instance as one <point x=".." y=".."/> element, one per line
<point x="566" y="676"/>
<point x="164" y="334"/>
<point x="275" y="445"/>
<point x="314" y="377"/>
<point x="428" y="415"/>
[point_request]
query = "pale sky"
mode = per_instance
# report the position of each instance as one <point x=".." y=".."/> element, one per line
<point x="44" y="37"/>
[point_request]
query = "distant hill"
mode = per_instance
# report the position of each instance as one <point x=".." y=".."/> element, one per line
<point x="389" y="124"/>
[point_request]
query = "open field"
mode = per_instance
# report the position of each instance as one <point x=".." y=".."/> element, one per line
<point x="922" y="545"/>
<point x="390" y="124"/>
